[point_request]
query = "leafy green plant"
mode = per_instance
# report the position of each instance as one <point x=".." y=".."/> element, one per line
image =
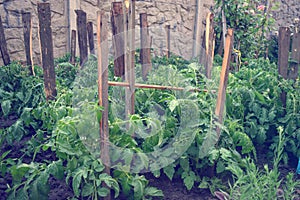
<point x="251" y="21"/>
<point x="251" y="182"/>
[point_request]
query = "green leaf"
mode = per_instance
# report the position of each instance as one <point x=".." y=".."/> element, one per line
<point x="204" y="184"/>
<point x="169" y="171"/>
<point x="138" y="189"/>
<point x="154" y="192"/>
<point x="78" y="174"/>
<point x="87" y="189"/>
<point x="173" y="104"/>
<point x="189" y="180"/>
<point x="72" y="164"/>
<point x="156" y="173"/>
<point x="18" y="171"/>
<point x="56" y="169"/>
<point x="26" y="116"/>
<point x="184" y="163"/>
<point x="6" y="106"/>
<point x="103" y="192"/>
<point x="40" y="188"/>
<point x="220" y="167"/>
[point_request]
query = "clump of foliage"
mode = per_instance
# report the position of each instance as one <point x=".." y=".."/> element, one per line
<point x="251" y="20"/>
<point x="253" y="115"/>
<point x="255" y="101"/>
<point x="251" y="182"/>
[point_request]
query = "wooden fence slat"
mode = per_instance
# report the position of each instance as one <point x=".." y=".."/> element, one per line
<point x="27" y="30"/>
<point x="73" y="47"/>
<point x="219" y="111"/>
<point x="90" y="33"/>
<point x="44" y="15"/>
<point x="103" y="93"/>
<point x="283" y="51"/>
<point x="145" y="53"/>
<point x="209" y="44"/>
<point x="283" y="56"/>
<point x="117" y="22"/>
<point x="168" y="40"/>
<point x="82" y="35"/>
<point x="3" y="45"/>
<point x="294" y="66"/>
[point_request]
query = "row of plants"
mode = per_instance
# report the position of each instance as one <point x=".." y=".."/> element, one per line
<point x="254" y="118"/>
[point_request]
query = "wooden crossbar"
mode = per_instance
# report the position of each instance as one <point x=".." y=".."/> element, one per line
<point x="158" y="87"/>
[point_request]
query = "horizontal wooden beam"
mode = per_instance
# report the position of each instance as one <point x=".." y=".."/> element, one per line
<point x="158" y="87"/>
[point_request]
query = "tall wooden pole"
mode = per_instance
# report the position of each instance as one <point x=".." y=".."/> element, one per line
<point x="90" y="33"/>
<point x="73" y="47"/>
<point x="219" y="111"/>
<point x="27" y="30"/>
<point x="209" y="44"/>
<point x="82" y="35"/>
<point x="102" y="53"/>
<point x="197" y="28"/>
<point x="168" y="30"/>
<point x="117" y="23"/>
<point x="132" y="55"/>
<point x="145" y="53"/>
<point x="294" y="66"/>
<point x="284" y="42"/>
<point x="44" y="15"/>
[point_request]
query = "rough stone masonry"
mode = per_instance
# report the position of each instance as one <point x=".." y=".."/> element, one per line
<point x="179" y="14"/>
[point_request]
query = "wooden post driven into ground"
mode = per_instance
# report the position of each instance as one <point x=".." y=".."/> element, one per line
<point x="131" y="57"/>
<point x="102" y="53"/>
<point x="209" y="44"/>
<point x="219" y="111"/>
<point x="117" y="22"/>
<point x="27" y="29"/>
<point x="197" y="28"/>
<point x="44" y="15"/>
<point x="90" y="33"/>
<point x="168" y="40"/>
<point x="294" y="66"/>
<point x="145" y="53"/>
<point x="82" y="35"/>
<point x="3" y="45"/>
<point x="283" y="56"/>
<point x="73" y="47"/>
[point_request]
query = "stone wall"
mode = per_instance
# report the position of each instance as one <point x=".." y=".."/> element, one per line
<point x="11" y="14"/>
<point x="179" y="14"/>
<point x="288" y="11"/>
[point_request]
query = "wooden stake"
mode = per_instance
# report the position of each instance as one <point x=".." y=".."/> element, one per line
<point x="103" y="93"/>
<point x="82" y="35"/>
<point x="294" y="66"/>
<point x="132" y="56"/>
<point x="209" y="44"/>
<point x="219" y="111"/>
<point x="3" y="45"/>
<point x="283" y="56"/>
<point x="73" y="47"/>
<point x="91" y="37"/>
<point x="44" y="15"/>
<point x="145" y="53"/>
<point x="197" y="28"/>
<point x="27" y="30"/>
<point x="117" y="22"/>
<point x="168" y="40"/>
